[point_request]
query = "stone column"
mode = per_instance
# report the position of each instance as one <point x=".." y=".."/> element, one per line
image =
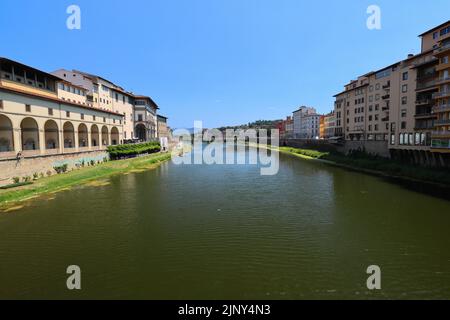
<point x="17" y="140"/>
<point x="61" y="141"/>
<point x="41" y="134"/>
<point x="76" y="143"/>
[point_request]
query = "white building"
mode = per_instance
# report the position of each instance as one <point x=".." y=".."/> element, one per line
<point x="305" y="123"/>
<point x="311" y="126"/>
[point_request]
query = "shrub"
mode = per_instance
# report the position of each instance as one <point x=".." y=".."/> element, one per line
<point x="16" y="180"/>
<point x="26" y="179"/>
<point x="49" y="173"/>
<point x="132" y="150"/>
<point x="35" y="176"/>
<point x="61" y="169"/>
<point x="15" y="185"/>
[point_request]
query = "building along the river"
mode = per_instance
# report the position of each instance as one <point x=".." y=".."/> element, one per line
<point x="402" y="110"/>
<point x="145" y="118"/>
<point x="48" y="119"/>
<point x="305" y="119"/>
<point x="327" y="125"/>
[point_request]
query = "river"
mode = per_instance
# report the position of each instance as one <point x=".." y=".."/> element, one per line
<point x="226" y="232"/>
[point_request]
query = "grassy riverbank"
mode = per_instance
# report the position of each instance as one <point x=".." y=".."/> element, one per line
<point x="82" y="176"/>
<point x="375" y="165"/>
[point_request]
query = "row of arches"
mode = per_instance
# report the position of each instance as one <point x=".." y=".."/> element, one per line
<point x="30" y="138"/>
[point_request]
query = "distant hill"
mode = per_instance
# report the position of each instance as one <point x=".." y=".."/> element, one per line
<point x="260" y="124"/>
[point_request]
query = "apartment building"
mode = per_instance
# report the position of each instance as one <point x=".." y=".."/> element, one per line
<point x="306" y="123"/>
<point x="400" y="110"/>
<point x="42" y="114"/>
<point x="327" y="126"/>
<point x="289" y="128"/>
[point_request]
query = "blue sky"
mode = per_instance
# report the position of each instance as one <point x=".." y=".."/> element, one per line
<point x="223" y="62"/>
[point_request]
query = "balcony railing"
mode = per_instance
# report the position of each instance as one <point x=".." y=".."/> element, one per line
<point x="441" y="94"/>
<point x="426" y="84"/>
<point x="441" y="108"/>
<point x="443" y="48"/>
<point x="442" y="122"/>
<point x="386" y="96"/>
<point x="443" y="79"/>
<point x="385" y="119"/>
<point x="442" y="133"/>
<point x="424" y="102"/>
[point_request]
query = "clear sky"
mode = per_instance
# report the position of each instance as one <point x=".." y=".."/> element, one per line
<point x="223" y="62"/>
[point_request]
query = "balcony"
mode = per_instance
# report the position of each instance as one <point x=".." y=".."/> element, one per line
<point x="386" y="96"/>
<point x="442" y="66"/>
<point x="426" y="84"/>
<point x="442" y="94"/>
<point x="440" y="134"/>
<point x="385" y="108"/>
<point x="425" y="62"/>
<point x="386" y="86"/>
<point x="385" y="119"/>
<point x="424" y="102"/>
<point x="443" y="80"/>
<point x="442" y="122"/>
<point x="442" y="49"/>
<point x="424" y="115"/>
<point x="441" y="108"/>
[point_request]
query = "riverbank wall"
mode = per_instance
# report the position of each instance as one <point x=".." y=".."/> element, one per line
<point x="45" y="164"/>
<point x="379" y="148"/>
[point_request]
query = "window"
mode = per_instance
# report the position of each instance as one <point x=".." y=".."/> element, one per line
<point x="117" y="97"/>
<point x="27" y="108"/>
<point x="405" y="76"/>
<point x="377" y="86"/>
<point x="50" y="111"/>
<point x="417" y="140"/>
<point x="405" y="88"/>
<point x="370" y="118"/>
<point x="404" y="100"/>
<point x="435" y="35"/>
<point x="445" y="31"/>
<point x="392" y="139"/>
<point x="444" y="60"/>
<point x="377" y="97"/>
<point x="82" y="116"/>
<point x="371" y="88"/>
<point x="403" y="125"/>
<point x="1" y="104"/>
<point x="104" y="119"/>
<point x="403" y="112"/>
<point x="376" y="127"/>
<point x="140" y="117"/>
<point x="401" y="139"/>
<point x="377" y="107"/>
<point x="68" y="114"/>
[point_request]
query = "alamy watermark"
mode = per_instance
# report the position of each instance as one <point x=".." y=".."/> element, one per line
<point x="374" y="280"/>
<point x="74" y="280"/>
<point x="374" y="20"/>
<point x="234" y="147"/>
<point x="73" y="22"/>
